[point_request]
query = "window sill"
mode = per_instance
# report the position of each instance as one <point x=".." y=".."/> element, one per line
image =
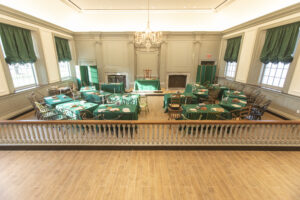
<point x="271" y="89"/>
<point x="25" y="89"/>
<point x="69" y="78"/>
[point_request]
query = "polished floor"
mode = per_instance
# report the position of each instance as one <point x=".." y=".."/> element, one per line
<point x="109" y="175"/>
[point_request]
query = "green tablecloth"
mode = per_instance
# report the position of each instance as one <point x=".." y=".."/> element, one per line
<point x="96" y="96"/>
<point x="229" y="105"/>
<point x="103" y="112"/>
<point x="74" y="112"/>
<point x="220" y="87"/>
<point x="235" y="94"/>
<point x="87" y="89"/>
<point x="209" y="114"/>
<point x="147" y="85"/>
<point x="167" y="99"/>
<point x="192" y="87"/>
<point x="113" y="87"/>
<point x="52" y="101"/>
<point x="125" y="98"/>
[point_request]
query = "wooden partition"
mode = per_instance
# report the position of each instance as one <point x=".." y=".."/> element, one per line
<point x="145" y="133"/>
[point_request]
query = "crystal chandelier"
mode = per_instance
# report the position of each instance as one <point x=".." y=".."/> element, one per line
<point x="148" y="38"/>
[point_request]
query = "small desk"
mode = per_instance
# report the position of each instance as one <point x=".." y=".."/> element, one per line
<point x="167" y="99"/>
<point x="124" y="112"/>
<point x="87" y="89"/>
<point x="235" y="94"/>
<point x="193" y="112"/>
<point x="229" y="105"/>
<point x="113" y="87"/>
<point x="52" y="101"/>
<point x="74" y="112"/>
<point x="96" y="96"/>
<point x="192" y="87"/>
<point x="146" y="85"/>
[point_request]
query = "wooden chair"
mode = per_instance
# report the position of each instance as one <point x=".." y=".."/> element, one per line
<point x="143" y="104"/>
<point x="213" y="95"/>
<point x="86" y="114"/>
<point x="53" y="91"/>
<point x="45" y="113"/>
<point x="188" y="100"/>
<point x="175" y="101"/>
<point x="174" y="114"/>
<point x="147" y="73"/>
<point x="76" y="95"/>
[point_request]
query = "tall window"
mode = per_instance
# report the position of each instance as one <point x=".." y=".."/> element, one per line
<point x="65" y="71"/>
<point x="231" y="56"/>
<point x="64" y="57"/>
<point x="23" y="75"/>
<point x="19" y="54"/>
<point x="230" y="69"/>
<point x="274" y="74"/>
<point x="277" y="54"/>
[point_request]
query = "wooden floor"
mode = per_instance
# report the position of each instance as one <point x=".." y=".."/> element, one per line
<point x="149" y="175"/>
<point x="156" y="111"/>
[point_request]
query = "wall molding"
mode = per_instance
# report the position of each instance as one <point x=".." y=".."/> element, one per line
<point x="31" y="19"/>
<point x="265" y="18"/>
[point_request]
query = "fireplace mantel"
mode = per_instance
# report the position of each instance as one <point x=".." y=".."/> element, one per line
<point x="177" y="73"/>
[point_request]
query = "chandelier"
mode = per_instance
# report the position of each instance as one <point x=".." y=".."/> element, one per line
<point x="148" y="38"/>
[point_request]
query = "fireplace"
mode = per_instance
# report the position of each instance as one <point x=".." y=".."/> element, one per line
<point x="116" y="78"/>
<point x="177" y="80"/>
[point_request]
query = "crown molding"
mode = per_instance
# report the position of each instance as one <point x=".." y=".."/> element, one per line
<point x="4" y="10"/>
<point x="266" y="18"/>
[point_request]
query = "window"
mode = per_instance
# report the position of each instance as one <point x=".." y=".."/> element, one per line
<point x="23" y="75"/>
<point x="230" y="69"/>
<point x="64" y="67"/>
<point x="274" y="74"/>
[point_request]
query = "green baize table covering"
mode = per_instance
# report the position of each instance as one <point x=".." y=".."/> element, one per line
<point x="113" y="87"/>
<point x="193" y="112"/>
<point x="96" y="96"/>
<point x="52" y="101"/>
<point x="229" y="105"/>
<point x="147" y="85"/>
<point x="74" y="112"/>
<point x="116" y="112"/>
<point x="235" y="94"/>
<point x="167" y="99"/>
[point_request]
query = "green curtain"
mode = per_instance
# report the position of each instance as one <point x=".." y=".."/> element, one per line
<point x="63" y="49"/>
<point x="84" y="75"/>
<point x="280" y="44"/>
<point x="206" y="73"/>
<point x="94" y="76"/>
<point x="17" y="44"/>
<point x="232" y="49"/>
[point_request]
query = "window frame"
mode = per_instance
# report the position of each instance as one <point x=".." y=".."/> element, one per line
<point x="226" y="70"/>
<point x="273" y="87"/>
<point x="69" y="69"/>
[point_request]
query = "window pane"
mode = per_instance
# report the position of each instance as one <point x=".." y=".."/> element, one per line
<point x="22" y="74"/>
<point x="230" y="69"/>
<point x="64" y="69"/>
<point x="274" y="74"/>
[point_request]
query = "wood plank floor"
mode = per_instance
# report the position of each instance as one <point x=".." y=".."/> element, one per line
<point x="149" y="175"/>
<point x="156" y="111"/>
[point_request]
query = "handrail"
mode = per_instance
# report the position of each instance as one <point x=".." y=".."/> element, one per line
<point x="150" y="122"/>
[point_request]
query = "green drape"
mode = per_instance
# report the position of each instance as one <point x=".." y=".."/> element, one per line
<point x="280" y="44"/>
<point x="17" y="44"/>
<point x="84" y="75"/>
<point x="94" y="76"/>
<point x="63" y="49"/>
<point x="232" y="49"/>
<point x="206" y="73"/>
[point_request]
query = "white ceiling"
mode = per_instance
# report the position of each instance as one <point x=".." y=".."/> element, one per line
<point x="116" y="15"/>
<point x="143" y="4"/>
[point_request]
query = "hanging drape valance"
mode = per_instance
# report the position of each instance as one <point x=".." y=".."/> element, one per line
<point x="17" y="44"/>
<point x="280" y="44"/>
<point x="232" y="49"/>
<point x="63" y="49"/>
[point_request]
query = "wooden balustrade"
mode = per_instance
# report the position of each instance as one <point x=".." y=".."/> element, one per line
<point x="150" y="133"/>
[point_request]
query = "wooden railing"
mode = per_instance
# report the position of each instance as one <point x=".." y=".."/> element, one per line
<point x="146" y="133"/>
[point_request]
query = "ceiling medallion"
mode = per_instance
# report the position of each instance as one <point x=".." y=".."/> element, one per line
<point x="148" y="38"/>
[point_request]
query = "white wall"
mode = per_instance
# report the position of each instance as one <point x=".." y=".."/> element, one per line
<point x="115" y="52"/>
